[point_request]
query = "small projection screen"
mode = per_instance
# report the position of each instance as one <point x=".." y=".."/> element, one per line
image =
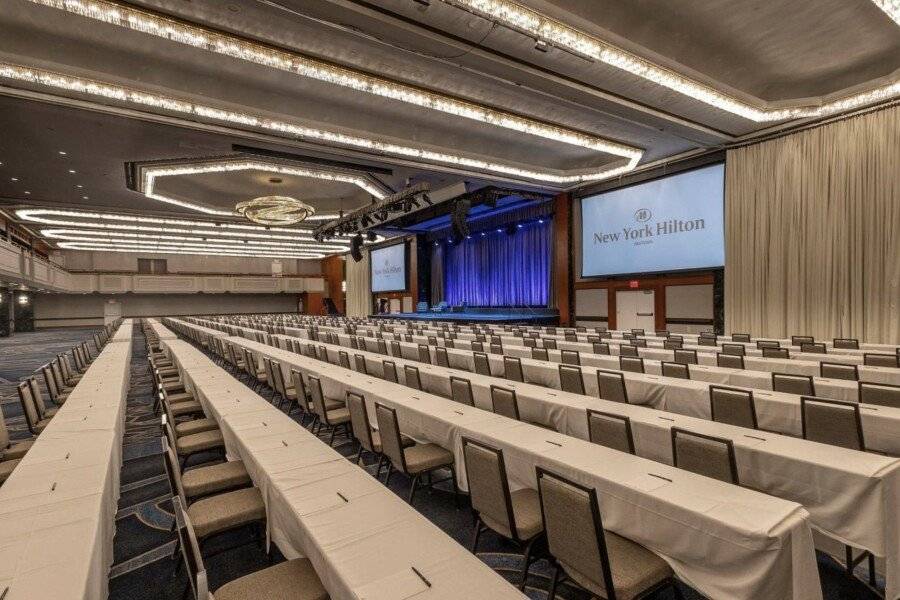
<point x="389" y="268"/>
<point x="674" y="223"/>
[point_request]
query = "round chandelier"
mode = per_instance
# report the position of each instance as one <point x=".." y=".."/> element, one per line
<point x="275" y="210"/>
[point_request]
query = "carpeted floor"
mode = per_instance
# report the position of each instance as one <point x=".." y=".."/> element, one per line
<point x="143" y="568"/>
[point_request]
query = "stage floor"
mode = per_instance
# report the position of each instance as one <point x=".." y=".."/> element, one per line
<point x="477" y="317"/>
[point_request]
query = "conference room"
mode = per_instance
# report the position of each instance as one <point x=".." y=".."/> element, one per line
<point x="449" y="299"/>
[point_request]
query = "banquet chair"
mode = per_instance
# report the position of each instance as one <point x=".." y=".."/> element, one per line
<point x="740" y="337"/>
<point x="68" y="375"/>
<point x="685" y="357"/>
<point x="207" y="480"/>
<point x="762" y="344"/>
<point x="354" y="343"/>
<point x="707" y="341"/>
<point x="57" y="395"/>
<point x="482" y="363"/>
<point x="424" y="354"/>
<point x="515" y="516"/>
<point x="672" y="344"/>
<point x="540" y="354"/>
<point x="832" y="422"/>
<point x="602" y="562"/>
<point x="382" y="347"/>
<point x="793" y="384"/>
<point x="389" y="368"/>
<point x="570" y="379"/>
<point x="881" y="394"/>
<point x="705" y="455"/>
<point x="331" y="419"/>
<point x="628" y="350"/>
<point x="412" y="378"/>
<point x="504" y="402"/>
<point x="549" y="344"/>
<point x="189" y="444"/>
<point x="612" y="431"/>
<point x="10" y="450"/>
<point x="344" y="359"/>
<point x="570" y="357"/>
<point x="432" y="340"/>
<point x="449" y="344"/>
<point x="814" y="348"/>
<point x="611" y="386"/>
<point x="603" y="334"/>
<point x="496" y="348"/>
<point x="632" y="364"/>
<point x="477" y="346"/>
<point x="734" y="349"/>
<point x="639" y="342"/>
<point x="776" y="353"/>
<point x="461" y="390"/>
<point x="304" y="402"/>
<point x="729" y="361"/>
<point x="845" y="344"/>
<point x="38" y="396"/>
<point x="285" y="389"/>
<point x="416" y="461"/>
<point x="664" y="333"/>
<point x="270" y="378"/>
<point x="441" y="358"/>
<point x="529" y="342"/>
<point x="637" y="332"/>
<point x="359" y="361"/>
<point x="216" y="513"/>
<point x="260" y="371"/>
<point x="874" y="359"/>
<point x="674" y="369"/>
<point x="799" y="340"/>
<point x="33" y="419"/>
<point x="839" y="371"/>
<point x="732" y="406"/>
<point x="396" y="351"/>
<point x="368" y="439"/>
<point x="600" y="348"/>
<point x="289" y="580"/>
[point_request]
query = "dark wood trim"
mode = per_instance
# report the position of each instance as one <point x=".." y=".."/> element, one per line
<point x="590" y="318"/>
<point x="685" y="321"/>
<point x="562" y="268"/>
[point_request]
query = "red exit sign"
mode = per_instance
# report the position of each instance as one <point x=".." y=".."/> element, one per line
<point x="634" y="284"/>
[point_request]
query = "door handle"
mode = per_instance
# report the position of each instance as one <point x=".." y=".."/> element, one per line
<point x="645" y="314"/>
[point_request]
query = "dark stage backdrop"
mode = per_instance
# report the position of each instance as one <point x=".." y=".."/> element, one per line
<point x="498" y="269"/>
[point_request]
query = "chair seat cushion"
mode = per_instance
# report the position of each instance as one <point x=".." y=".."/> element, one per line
<point x="173" y="386"/>
<point x="199" y="442"/>
<point x="6" y="469"/>
<point x="40" y="425"/>
<point x="425" y="457"/>
<point x="332" y="404"/>
<point x="50" y="412"/>
<point x="195" y="426"/>
<point x="186" y="408"/>
<point x="526" y="505"/>
<point x="226" y="511"/>
<point x="176" y="397"/>
<point x="634" y="569"/>
<point x="16" y="450"/>
<point x="214" y="478"/>
<point x="290" y="393"/>
<point x="338" y="416"/>
<point x="291" y="580"/>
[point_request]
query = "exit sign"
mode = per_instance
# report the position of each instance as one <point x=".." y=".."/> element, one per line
<point x="634" y="284"/>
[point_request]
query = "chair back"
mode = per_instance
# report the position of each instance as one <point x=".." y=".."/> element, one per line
<point x="424" y="354"/>
<point x="705" y="455"/>
<point x="317" y="397"/>
<point x="360" y="361"/>
<point x="570" y="379"/>
<point x="604" y="335"/>
<point x="610" y="430"/>
<point x="685" y="357"/>
<point x="344" y="359"/>
<point x="173" y="469"/>
<point x="28" y="406"/>
<point x="734" y="349"/>
<point x="733" y="406"/>
<point x="441" y="358"/>
<point x="37" y="395"/>
<point x="663" y="333"/>
<point x="639" y="342"/>
<point x="874" y="359"/>
<point x="512" y="368"/>
<point x="540" y="354"/>
<point x="359" y="420"/>
<point x="529" y="342"/>
<point x="396" y="350"/>
<point x="504" y="402"/>
<point x="845" y="343"/>
<point x="550" y="343"/>
<point x="489" y="487"/>
<point x="839" y="371"/>
<point x="389" y="369"/>
<point x="776" y="353"/>
<point x="300" y="389"/>
<point x="729" y="361"/>
<point x="814" y="348"/>
<point x="707" y="341"/>
<point x="832" y="422"/>
<point x="354" y="343"/>
<point x="382" y="346"/>
<point x="278" y="377"/>
<point x="799" y="340"/>
<point x="628" y="350"/>
<point x="50" y="381"/>
<point x="477" y="346"/>
<point x="496" y="348"/>
<point x="793" y="384"/>
<point x="740" y="337"/>
<point x="881" y="394"/>
<point x="570" y="357"/>
<point x="461" y="390"/>
<point x="762" y="344"/>
<point x="672" y="344"/>
<point x="411" y="375"/>
<point x="674" y="369"/>
<point x="389" y="429"/>
<point x="574" y="529"/>
<point x="601" y="348"/>
<point x="637" y="332"/>
<point x="611" y="385"/>
<point x="632" y="364"/>
<point x="190" y="553"/>
<point x="482" y="363"/>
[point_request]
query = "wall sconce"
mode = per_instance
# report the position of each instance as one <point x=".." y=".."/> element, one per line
<point x="23" y="299"/>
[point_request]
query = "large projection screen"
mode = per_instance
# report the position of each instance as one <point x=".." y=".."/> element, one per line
<point x="674" y="223"/>
<point x="389" y="268"/>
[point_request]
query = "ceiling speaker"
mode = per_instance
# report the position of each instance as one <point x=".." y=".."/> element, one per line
<point x="459" y="227"/>
<point x="356" y="243"/>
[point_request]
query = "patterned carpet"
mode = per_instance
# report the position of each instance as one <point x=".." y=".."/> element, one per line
<point x="143" y="569"/>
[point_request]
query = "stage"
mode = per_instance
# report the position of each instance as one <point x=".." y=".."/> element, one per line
<point x="506" y="316"/>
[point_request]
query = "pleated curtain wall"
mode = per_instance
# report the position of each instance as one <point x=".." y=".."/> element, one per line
<point x="813" y="232"/>
<point x="359" y="287"/>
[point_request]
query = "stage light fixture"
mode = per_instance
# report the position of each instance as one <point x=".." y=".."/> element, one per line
<point x="459" y="227"/>
<point x="371" y="236"/>
<point x="356" y="247"/>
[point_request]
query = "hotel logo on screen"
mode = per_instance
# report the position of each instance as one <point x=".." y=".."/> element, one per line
<point x="643" y="234"/>
<point x="387" y="269"/>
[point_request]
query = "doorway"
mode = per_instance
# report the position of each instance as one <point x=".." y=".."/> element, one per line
<point x="112" y="310"/>
<point x="634" y="310"/>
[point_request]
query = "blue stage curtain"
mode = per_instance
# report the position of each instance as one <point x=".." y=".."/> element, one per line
<point x="498" y="269"/>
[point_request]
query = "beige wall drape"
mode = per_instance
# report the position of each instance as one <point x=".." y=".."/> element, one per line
<point x="359" y="287"/>
<point x="813" y="232"/>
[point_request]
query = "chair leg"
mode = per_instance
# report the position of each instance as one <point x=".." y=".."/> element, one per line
<point x="677" y="590"/>
<point x="476" y="536"/>
<point x="528" y="548"/>
<point x="387" y="479"/>
<point x="359" y="454"/>
<point x="333" y="432"/>
<point x="455" y="487"/>
<point x="871" y="569"/>
<point x="412" y="489"/>
<point x="380" y="464"/>
<point x="552" y="593"/>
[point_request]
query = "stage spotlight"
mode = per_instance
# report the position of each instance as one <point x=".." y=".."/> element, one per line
<point x="370" y="235"/>
<point x="356" y="247"/>
<point x="459" y="227"/>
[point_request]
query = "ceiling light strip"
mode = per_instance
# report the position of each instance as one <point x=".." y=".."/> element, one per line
<point x="107" y="247"/>
<point x="76" y="234"/>
<point x="146" y="99"/>
<point x="542" y="27"/>
<point x="234" y="47"/>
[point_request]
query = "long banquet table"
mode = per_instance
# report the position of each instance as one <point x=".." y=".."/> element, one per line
<point x="363" y="540"/>
<point x="57" y="509"/>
